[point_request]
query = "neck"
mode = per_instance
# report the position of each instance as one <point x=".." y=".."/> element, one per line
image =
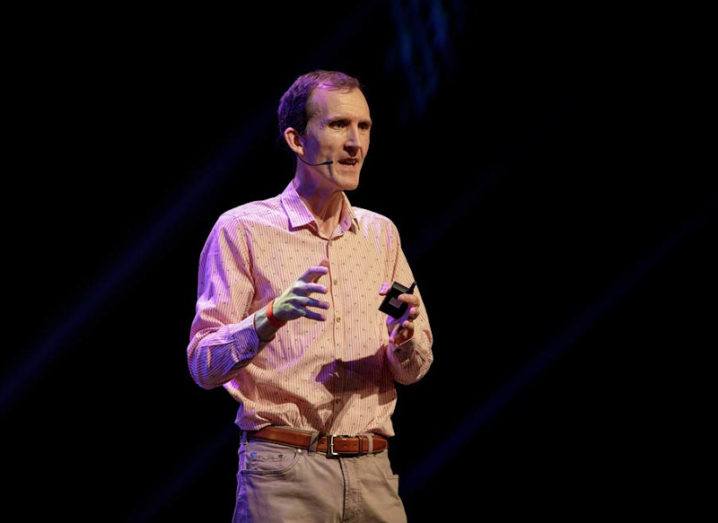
<point x="325" y="203"/>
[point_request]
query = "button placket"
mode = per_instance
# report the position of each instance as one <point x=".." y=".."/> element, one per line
<point x="336" y="298"/>
<point x="336" y="262"/>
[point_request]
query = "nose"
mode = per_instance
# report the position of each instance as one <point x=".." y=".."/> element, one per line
<point x="352" y="143"/>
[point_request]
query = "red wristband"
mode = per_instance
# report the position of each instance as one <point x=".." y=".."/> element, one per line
<point x="273" y="321"/>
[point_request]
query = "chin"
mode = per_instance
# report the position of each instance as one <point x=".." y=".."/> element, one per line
<point x="351" y="185"/>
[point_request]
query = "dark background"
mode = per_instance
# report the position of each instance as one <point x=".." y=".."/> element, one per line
<point x="549" y="177"/>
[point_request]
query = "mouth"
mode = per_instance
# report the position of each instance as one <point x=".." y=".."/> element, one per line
<point x="349" y="161"/>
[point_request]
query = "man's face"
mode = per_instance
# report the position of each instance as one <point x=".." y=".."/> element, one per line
<point x="338" y="130"/>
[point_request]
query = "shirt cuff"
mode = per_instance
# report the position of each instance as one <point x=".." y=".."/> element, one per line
<point x="245" y="340"/>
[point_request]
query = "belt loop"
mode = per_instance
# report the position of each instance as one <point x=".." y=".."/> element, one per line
<point x="370" y="440"/>
<point x="314" y="440"/>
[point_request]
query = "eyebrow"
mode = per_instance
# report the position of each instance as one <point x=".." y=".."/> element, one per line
<point x="345" y="119"/>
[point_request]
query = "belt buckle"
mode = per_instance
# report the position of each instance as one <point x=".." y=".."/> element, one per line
<point x="330" y="446"/>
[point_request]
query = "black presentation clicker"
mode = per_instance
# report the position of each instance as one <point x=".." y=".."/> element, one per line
<point x="391" y="304"/>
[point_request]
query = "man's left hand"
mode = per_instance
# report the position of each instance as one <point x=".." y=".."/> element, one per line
<point x="402" y="329"/>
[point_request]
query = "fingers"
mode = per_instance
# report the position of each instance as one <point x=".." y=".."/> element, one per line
<point x="305" y="289"/>
<point x="402" y="332"/>
<point x="384" y="288"/>
<point x="302" y="312"/>
<point x="409" y="315"/>
<point x="410" y="299"/>
<point x="314" y="273"/>
<point x="295" y="301"/>
<point x="413" y="313"/>
<point x="311" y="302"/>
<point x="300" y="305"/>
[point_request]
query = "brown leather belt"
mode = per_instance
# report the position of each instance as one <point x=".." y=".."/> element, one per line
<point x="331" y="445"/>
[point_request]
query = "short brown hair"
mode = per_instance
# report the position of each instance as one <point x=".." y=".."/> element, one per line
<point x="293" y="110"/>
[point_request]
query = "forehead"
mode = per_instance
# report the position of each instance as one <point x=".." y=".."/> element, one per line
<point x="327" y="103"/>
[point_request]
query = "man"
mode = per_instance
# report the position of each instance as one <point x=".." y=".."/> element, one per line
<point x="311" y="360"/>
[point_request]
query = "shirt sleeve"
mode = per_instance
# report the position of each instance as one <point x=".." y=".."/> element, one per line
<point x="223" y="338"/>
<point x="410" y="361"/>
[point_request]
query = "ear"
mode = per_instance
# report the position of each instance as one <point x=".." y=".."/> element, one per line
<point x="294" y="140"/>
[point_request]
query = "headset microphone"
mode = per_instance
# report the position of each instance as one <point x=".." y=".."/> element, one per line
<point x="328" y="162"/>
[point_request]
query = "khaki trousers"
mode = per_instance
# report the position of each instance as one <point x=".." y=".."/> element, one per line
<point x="285" y="484"/>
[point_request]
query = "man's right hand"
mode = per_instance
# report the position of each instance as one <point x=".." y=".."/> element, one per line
<point x="294" y="302"/>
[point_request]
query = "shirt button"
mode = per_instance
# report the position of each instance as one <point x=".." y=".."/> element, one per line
<point x="335" y="281"/>
<point x="339" y="320"/>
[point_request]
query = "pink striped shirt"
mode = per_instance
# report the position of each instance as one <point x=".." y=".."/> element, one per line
<point x="336" y="376"/>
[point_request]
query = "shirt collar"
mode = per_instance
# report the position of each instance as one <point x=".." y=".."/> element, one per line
<point x="299" y="215"/>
